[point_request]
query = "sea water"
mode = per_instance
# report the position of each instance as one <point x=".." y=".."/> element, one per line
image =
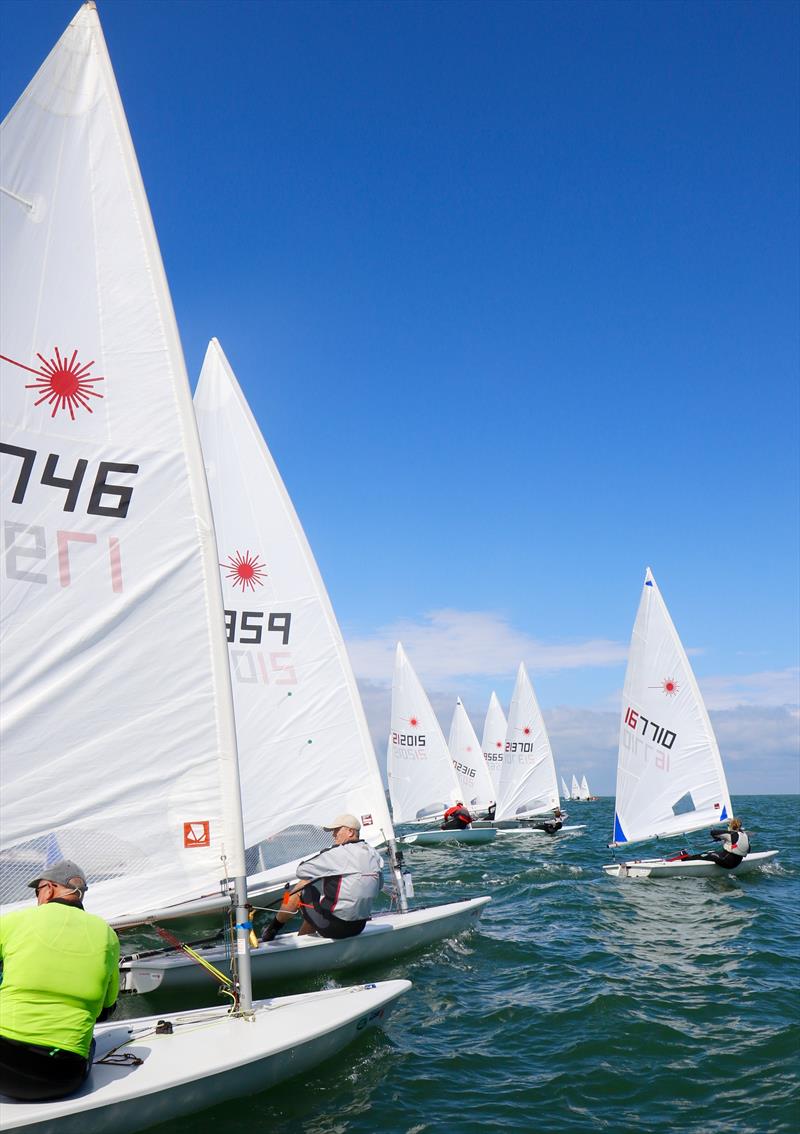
<point x="581" y="1002"/>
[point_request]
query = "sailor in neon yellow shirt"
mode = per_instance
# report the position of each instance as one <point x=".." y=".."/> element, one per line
<point x="60" y="974"/>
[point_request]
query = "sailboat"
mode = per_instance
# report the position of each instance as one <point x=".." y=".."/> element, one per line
<point x="527" y="785"/>
<point x="564" y="789"/>
<point x="304" y="745"/>
<point x="118" y="737"/>
<point x="575" y="793"/>
<point x="422" y="780"/>
<point x="493" y="743"/>
<point x="670" y="777"/>
<point x="586" y="795"/>
<point x="477" y="789"/>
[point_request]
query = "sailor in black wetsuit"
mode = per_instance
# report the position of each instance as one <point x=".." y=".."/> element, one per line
<point x="550" y="826"/>
<point x="735" y="846"/>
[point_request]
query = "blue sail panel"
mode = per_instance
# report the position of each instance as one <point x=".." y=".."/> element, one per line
<point x="619" y="834"/>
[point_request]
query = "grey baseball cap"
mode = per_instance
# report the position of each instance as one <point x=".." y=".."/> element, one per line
<point x="63" y="873"/>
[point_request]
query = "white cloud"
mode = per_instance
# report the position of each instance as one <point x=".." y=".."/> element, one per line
<point x="755" y="715"/>
<point x="759" y="744"/>
<point x="452" y="644"/>
<point x="768" y="688"/>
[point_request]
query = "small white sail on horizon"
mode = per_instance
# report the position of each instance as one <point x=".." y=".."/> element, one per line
<point x="584" y="789"/>
<point x="467" y="755"/>
<point x="422" y="780"/>
<point x="564" y="789"/>
<point x="528" y="784"/>
<point x="493" y="743"/>
<point x="575" y="793"/>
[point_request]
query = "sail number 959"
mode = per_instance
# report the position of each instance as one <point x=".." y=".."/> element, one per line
<point x="246" y="627"/>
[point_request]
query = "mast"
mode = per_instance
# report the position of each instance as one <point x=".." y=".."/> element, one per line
<point x="226" y="726"/>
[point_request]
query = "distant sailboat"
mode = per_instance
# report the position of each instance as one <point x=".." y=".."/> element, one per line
<point x="423" y="783"/>
<point x="118" y="735"/>
<point x="477" y="789"/>
<point x="670" y="778"/>
<point x="528" y="785"/>
<point x="575" y="793"/>
<point x="586" y="795"/>
<point x="564" y="789"/>
<point x="494" y="741"/>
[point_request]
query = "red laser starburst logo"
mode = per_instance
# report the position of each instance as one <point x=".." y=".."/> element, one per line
<point x="64" y="385"/>
<point x="498" y="744"/>
<point x="246" y="571"/>
<point x="525" y="731"/>
<point x="413" y="721"/>
<point x="669" y="686"/>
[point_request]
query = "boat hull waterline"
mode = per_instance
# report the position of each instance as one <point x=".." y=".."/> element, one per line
<point x="209" y="1057"/>
<point x="567" y="829"/>
<point x="677" y="868"/>
<point x="290" y="956"/>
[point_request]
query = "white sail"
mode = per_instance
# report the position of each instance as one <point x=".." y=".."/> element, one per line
<point x="117" y="724"/>
<point x="584" y="789"/>
<point x="528" y="784"/>
<point x="494" y="741"/>
<point x="576" y="789"/>
<point x="670" y="778"/>
<point x="304" y="745"/>
<point x="477" y="790"/>
<point x="422" y="779"/>
<point x="564" y="789"/>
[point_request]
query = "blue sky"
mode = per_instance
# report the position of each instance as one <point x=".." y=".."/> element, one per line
<point x="513" y="292"/>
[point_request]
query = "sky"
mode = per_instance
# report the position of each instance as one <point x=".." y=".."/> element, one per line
<point x="512" y="290"/>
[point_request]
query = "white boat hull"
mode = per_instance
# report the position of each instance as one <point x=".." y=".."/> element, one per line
<point x="209" y="1057"/>
<point x="470" y="836"/>
<point x="675" y="868"/>
<point x="289" y="956"/>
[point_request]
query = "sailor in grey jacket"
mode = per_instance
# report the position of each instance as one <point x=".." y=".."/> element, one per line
<point x="338" y="886"/>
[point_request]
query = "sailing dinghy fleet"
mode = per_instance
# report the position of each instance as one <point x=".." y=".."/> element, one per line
<point x="116" y="666"/>
<point x="208" y="727"/>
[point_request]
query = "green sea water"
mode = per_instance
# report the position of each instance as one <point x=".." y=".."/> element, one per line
<point x="581" y="1003"/>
